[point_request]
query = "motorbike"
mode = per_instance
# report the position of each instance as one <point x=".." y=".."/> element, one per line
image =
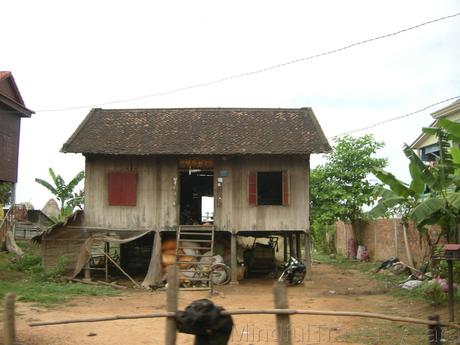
<point x="293" y="273"/>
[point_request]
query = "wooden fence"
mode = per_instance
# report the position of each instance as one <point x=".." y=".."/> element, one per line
<point x="281" y="311"/>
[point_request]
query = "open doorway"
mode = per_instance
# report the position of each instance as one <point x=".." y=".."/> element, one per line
<point x="196" y="196"/>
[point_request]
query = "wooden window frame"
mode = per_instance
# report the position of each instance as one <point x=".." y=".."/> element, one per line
<point x="253" y="190"/>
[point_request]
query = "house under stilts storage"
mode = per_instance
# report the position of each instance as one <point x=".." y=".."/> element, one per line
<point x="216" y="177"/>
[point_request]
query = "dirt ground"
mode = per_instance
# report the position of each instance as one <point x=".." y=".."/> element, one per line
<point x="330" y="289"/>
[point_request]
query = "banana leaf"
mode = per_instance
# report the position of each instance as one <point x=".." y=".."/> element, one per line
<point x="425" y="174"/>
<point x="450" y="126"/>
<point x="395" y="185"/>
<point x="417" y="184"/>
<point x="384" y="205"/>
<point x="426" y="209"/>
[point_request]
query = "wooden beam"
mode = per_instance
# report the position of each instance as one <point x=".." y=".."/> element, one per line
<point x="122" y="270"/>
<point x="366" y="315"/>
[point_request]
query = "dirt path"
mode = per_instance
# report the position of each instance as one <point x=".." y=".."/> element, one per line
<point x="331" y="289"/>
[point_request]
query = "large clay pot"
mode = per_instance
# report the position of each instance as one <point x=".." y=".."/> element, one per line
<point x="168" y="245"/>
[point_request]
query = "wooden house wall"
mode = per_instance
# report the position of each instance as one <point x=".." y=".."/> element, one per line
<point x="233" y="212"/>
<point x="10" y="124"/>
<point x="157" y="204"/>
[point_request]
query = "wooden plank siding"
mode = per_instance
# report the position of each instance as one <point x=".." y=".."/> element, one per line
<point x="157" y="206"/>
<point x="10" y="126"/>
<point x="236" y="214"/>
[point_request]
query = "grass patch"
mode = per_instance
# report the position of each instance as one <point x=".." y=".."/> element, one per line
<point x="374" y="332"/>
<point x="430" y="293"/>
<point x="49" y="293"/>
<point x="26" y="277"/>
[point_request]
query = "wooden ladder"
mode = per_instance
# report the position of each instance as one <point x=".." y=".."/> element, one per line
<point x="203" y="238"/>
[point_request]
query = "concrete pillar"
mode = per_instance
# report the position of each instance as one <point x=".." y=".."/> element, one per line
<point x="291" y="245"/>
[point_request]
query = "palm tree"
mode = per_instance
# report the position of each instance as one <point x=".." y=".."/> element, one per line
<point x="64" y="192"/>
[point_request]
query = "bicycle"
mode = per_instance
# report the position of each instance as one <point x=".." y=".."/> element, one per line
<point x="197" y="276"/>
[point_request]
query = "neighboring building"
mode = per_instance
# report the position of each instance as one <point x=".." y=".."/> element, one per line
<point x="149" y="170"/>
<point x="35" y="223"/>
<point x="426" y="145"/>
<point x="12" y="109"/>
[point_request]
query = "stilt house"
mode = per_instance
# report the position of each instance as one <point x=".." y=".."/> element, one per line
<point x="240" y="172"/>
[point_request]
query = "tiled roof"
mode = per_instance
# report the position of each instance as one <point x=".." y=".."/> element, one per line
<point x="4" y="74"/>
<point x="10" y="95"/>
<point x="212" y="131"/>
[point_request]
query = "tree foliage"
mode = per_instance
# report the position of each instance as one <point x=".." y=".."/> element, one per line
<point x="6" y="191"/>
<point x="64" y="193"/>
<point x="341" y="187"/>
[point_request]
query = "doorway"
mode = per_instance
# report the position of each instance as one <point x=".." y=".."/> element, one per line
<point x="196" y="196"/>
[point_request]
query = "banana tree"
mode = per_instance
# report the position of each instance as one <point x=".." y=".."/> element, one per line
<point x="400" y="197"/>
<point x="441" y="204"/>
<point x="64" y="192"/>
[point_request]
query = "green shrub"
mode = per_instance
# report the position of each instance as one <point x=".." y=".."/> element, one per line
<point x="31" y="264"/>
<point x="433" y="292"/>
<point x="56" y="273"/>
<point x="28" y="263"/>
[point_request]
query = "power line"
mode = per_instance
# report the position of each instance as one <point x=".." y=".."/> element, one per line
<point x="257" y="71"/>
<point x="395" y="118"/>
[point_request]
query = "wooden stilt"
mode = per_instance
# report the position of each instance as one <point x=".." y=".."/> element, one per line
<point x="234" y="262"/>
<point x="285" y="248"/>
<point x="297" y="246"/>
<point x="87" y="272"/>
<point x="106" y="265"/>
<point x="291" y="245"/>
<point x="307" y="255"/>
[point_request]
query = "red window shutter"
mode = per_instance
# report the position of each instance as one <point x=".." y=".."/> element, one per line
<point x="122" y="189"/>
<point x="252" y="188"/>
<point x="285" y="188"/>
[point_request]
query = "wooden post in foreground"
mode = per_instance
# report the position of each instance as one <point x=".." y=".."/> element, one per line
<point x="434" y="331"/>
<point x="283" y="327"/>
<point x="9" y="327"/>
<point x="171" y="304"/>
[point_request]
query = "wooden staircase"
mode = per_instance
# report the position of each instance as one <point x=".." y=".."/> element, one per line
<point x="203" y="238"/>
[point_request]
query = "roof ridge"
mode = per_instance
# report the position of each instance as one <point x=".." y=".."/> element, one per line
<point x="199" y="108"/>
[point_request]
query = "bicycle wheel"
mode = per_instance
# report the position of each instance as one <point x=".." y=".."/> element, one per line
<point x="220" y="274"/>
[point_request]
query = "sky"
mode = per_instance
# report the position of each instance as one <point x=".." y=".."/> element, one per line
<point x="87" y="53"/>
